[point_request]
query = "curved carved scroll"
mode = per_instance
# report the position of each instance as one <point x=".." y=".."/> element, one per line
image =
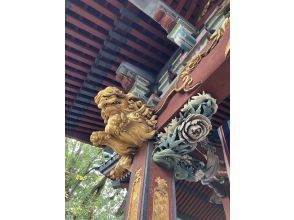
<point x="184" y="82"/>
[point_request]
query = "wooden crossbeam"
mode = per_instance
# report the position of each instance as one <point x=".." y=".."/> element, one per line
<point x="213" y="71"/>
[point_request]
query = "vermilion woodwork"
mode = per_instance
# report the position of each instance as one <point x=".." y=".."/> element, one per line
<point x="226" y="205"/>
<point x="150" y="171"/>
<point x="213" y="71"/>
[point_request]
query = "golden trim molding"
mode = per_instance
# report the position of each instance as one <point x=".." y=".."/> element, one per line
<point x="184" y="81"/>
<point x="227" y="50"/>
<point x="160" y="200"/>
<point x="134" y="200"/>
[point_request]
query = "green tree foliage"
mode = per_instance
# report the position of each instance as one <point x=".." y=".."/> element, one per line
<point x="88" y="194"/>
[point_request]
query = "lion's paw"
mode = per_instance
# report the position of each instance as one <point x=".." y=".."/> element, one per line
<point x="99" y="137"/>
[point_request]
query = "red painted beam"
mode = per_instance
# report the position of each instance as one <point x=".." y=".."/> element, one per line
<point x="134" y="57"/>
<point x="108" y="75"/>
<point x="80" y="48"/>
<point x="76" y="75"/>
<point x="144" y="50"/>
<point x="151" y="29"/>
<point x="139" y="59"/>
<point x="189" y="197"/>
<point x="72" y="82"/>
<point x="85" y="27"/>
<point x="79" y="57"/>
<point x="144" y="24"/>
<point x="101" y="9"/>
<point x="84" y="13"/>
<point x="83" y="38"/>
<point x="87" y="126"/>
<point x="90" y="106"/>
<point x="180" y="6"/>
<point x="203" y="209"/>
<point x="213" y="71"/>
<point x="70" y="89"/>
<point x="115" y="3"/>
<point x="96" y="122"/>
<point x="201" y="204"/>
<point x="83" y="125"/>
<point x="114" y="59"/>
<point x="152" y="42"/>
<point x="93" y="109"/>
<point x="68" y="102"/>
<point x="140" y="48"/>
<point x="106" y="83"/>
<point x="191" y="9"/>
<point x="95" y="116"/>
<point x="76" y="66"/>
<point x="80" y="130"/>
<point x="209" y="214"/>
<point x="70" y="96"/>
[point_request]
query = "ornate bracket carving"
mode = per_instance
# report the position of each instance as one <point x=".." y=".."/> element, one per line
<point x="184" y="82"/>
<point x="129" y="122"/>
<point x="185" y="134"/>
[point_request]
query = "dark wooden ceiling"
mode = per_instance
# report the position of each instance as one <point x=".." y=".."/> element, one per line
<point x="99" y="35"/>
<point x="192" y="202"/>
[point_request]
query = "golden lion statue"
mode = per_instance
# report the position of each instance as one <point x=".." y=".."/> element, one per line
<point x="129" y="122"/>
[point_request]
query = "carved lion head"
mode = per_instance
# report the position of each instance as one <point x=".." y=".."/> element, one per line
<point x="111" y="100"/>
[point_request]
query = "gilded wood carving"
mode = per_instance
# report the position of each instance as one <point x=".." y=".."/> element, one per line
<point x="129" y="122"/>
<point x="184" y="81"/>
<point x="160" y="200"/>
<point x="134" y="201"/>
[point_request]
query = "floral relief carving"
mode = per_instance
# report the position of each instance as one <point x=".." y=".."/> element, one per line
<point x="187" y="133"/>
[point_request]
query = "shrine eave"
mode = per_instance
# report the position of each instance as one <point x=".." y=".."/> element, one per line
<point x="98" y="37"/>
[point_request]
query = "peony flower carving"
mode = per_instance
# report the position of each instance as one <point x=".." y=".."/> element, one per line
<point x="195" y="128"/>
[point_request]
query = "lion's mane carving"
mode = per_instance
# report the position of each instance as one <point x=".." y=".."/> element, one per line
<point x="129" y="122"/>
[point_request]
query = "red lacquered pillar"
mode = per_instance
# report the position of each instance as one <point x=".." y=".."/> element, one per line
<point x="151" y="192"/>
<point x="226" y="205"/>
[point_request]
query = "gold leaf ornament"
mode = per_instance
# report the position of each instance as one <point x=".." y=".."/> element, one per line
<point x="135" y="195"/>
<point x="160" y="200"/>
<point x="184" y="82"/>
<point x="129" y="123"/>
